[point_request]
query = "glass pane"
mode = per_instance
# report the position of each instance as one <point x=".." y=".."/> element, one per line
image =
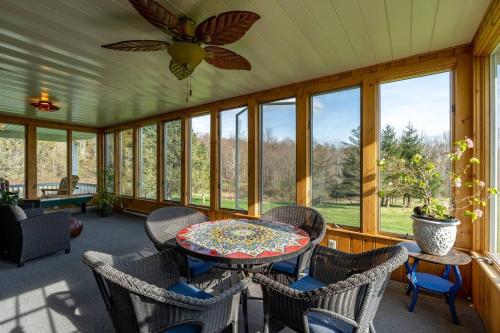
<point x="84" y="162"/>
<point x="147" y="162"/>
<point x="109" y="151"/>
<point x="415" y="119"/>
<point x="336" y="161"/>
<point x="173" y="160"/>
<point x="51" y="162"/>
<point x="127" y="162"/>
<point x="278" y="150"/>
<point x="234" y="159"/>
<point x="199" y="166"/>
<point x="12" y="154"/>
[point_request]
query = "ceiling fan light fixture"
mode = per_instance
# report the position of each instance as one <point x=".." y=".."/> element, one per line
<point x="188" y="55"/>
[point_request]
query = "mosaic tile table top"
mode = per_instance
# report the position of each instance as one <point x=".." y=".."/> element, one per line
<point x="240" y="239"/>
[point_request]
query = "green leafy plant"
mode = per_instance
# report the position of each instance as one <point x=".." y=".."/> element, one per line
<point x="104" y="198"/>
<point x="7" y="198"/>
<point x="420" y="175"/>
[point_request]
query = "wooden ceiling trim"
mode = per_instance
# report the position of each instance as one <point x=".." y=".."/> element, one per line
<point x="488" y="34"/>
<point x="6" y="118"/>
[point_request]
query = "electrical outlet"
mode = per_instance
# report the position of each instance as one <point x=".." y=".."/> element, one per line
<point x="332" y="243"/>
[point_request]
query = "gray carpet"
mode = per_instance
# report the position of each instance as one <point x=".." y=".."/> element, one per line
<point x="58" y="293"/>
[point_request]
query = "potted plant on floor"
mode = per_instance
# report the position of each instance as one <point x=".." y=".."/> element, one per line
<point x="435" y="221"/>
<point x="104" y="199"/>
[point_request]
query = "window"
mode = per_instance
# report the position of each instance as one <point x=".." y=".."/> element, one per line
<point x="109" y="151"/>
<point x="415" y="119"/>
<point x="495" y="150"/>
<point x="199" y="160"/>
<point x="172" y="136"/>
<point x="84" y="162"/>
<point x="127" y="162"/>
<point x="51" y="162"/>
<point x="336" y="161"/>
<point x="147" y="162"/>
<point x="12" y="157"/>
<point x="277" y="154"/>
<point x="233" y="155"/>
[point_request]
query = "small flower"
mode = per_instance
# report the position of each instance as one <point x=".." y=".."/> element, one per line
<point x="479" y="213"/>
<point x="457" y="182"/>
<point x="481" y="184"/>
<point x="474" y="160"/>
<point x="469" y="142"/>
<point x="458" y="152"/>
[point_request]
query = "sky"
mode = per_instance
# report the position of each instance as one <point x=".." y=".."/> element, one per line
<point x="424" y="101"/>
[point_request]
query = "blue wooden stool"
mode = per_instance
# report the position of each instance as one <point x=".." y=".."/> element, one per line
<point x="435" y="283"/>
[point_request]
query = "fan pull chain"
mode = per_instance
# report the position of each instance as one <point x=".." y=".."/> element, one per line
<point x="189" y="91"/>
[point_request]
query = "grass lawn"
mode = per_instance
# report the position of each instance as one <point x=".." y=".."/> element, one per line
<point x="393" y="219"/>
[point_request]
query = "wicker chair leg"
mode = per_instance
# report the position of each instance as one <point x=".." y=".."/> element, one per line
<point x="20" y="264"/>
<point x="68" y="250"/>
<point x="234" y="326"/>
<point x="266" y="324"/>
<point x="244" y="301"/>
<point x="372" y="328"/>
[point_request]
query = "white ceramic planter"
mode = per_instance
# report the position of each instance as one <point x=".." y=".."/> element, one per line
<point x="434" y="237"/>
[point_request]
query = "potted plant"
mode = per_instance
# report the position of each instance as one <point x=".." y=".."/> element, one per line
<point x="104" y="199"/>
<point x="435" y="220"/>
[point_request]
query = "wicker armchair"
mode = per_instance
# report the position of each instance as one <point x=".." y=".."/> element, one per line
<point x="306" y="218"/>
<point x="38" y="235"/>
<point x="341" y="293"/>
<point x="162" y="226"/>
<point x="146" y="295"/>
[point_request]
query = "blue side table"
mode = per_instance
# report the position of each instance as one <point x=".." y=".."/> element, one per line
<point x="435" y="283"/>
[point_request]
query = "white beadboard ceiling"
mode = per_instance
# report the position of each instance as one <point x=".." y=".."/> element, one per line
<point x="54" y="46"/>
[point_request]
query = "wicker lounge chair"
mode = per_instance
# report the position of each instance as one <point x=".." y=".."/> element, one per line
<point x="162" y="226"/>
<point x="38" y="235"/>
<point x="308" y="219"/>
<point x="341" y="293"/>
<point x="146" y="295"/>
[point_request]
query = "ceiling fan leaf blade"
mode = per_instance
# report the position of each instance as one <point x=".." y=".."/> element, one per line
<point x="226" y="59"/>
<point x="226" y="28"/>
<point x="179" y="71"/>
<point x="138" y="45"/>
<point x="157" y="15"/>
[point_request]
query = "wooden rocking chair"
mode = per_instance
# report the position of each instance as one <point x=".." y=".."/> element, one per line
<point x="63" y="187"/>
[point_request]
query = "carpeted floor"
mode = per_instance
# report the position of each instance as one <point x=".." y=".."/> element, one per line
<point x="58" y="293"/>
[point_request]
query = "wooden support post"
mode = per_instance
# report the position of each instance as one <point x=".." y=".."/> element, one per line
<point x="69" y="160"/>
<point x="214" y="161"/>
<point x="31" y="162"/>
<point x="303" y="155"/>
<point x="116" y="162"/>
<point x="369" y="146"/>
<point x="135" y="158"/>
<point x="186" y="143"/>
<point x="253" y="158"/>
<point x="160" y="183"/>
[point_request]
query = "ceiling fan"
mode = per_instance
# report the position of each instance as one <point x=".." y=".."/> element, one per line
<point x="186" y="50"/>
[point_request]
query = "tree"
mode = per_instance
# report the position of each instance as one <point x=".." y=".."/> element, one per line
<point x="200" y="165"/>
<point x="173" y="160"/>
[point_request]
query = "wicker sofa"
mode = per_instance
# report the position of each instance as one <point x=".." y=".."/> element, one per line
<point x="38" y="235"/>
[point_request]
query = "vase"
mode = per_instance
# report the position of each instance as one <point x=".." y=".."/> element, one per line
<point x="434" y="237"/>
<point x="106" y="211"/>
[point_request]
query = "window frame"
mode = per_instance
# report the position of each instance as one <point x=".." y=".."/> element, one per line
<point x="493" y="240"/>
<point x="25" y="157"/>
<point x="96" y="158"/>
<point x="68" y="160"/>
<point x="426" y="72"/>
<point x="189" y="160"/>
<point x="311" y="144"/>
<point x="260" y="181"/>
<point x="120" y="155"/>
<point x="163" y="168"/>
<point x="140" y="160"/>
<point x="219" y="184"/>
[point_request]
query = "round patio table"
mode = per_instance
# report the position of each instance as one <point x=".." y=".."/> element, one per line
<point x="243" y="245"/>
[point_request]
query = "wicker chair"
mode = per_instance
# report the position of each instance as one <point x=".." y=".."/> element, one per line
<point x="38" y="235"/>
<point x="308" y="219"/>
<point x="146" y="295"/>
<point x="162" y="226"/>
<point x="341" y="293"/>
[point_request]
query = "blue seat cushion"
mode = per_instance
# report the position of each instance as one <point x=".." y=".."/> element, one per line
<point x="186" y="328"/>
<point x="188" y="290"/>
<point x="323" y="324"/>
<point x="307" y="283"/>
<point x="198" y="266"/>
<point x="288" y="266"/>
